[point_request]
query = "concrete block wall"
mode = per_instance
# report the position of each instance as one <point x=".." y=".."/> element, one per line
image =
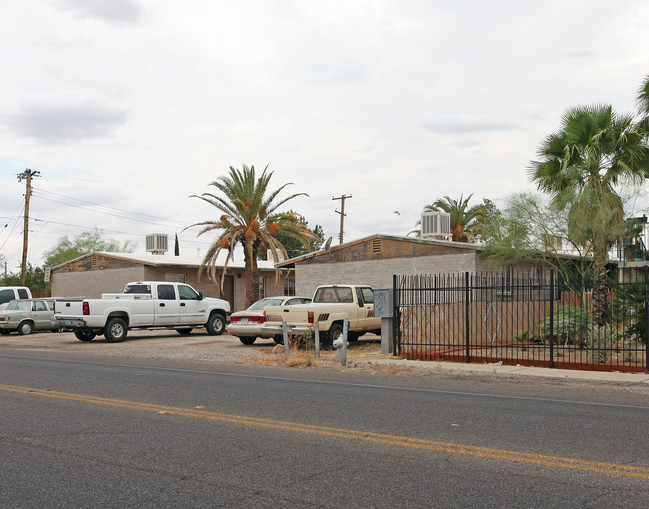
<point x="377" y="273"/>
<point x="92" y="284"/>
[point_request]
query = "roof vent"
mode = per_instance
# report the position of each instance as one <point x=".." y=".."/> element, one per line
<point x="157" y="243"/>
<point x="436" y="225"/>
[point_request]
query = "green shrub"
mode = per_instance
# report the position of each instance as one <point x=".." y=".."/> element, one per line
<point x="571" y="324"/>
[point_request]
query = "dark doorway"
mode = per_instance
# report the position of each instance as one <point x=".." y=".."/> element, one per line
<point x="228" y="290"/>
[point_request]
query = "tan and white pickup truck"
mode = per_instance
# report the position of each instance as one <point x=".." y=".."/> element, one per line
<point x="331" y="304"/>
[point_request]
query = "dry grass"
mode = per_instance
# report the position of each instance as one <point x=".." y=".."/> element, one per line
<point x="300" y="358"/>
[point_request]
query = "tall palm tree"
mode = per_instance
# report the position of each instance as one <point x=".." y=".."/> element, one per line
<point x="464" y="219"/>
<point x="580" y="165"/>
<point x="250" y="218"/>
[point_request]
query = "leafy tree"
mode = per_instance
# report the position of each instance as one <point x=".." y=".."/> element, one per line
<point x="465" y="220"/>
<point x="531" y="229"/>
<point x="579" y="166"/>
<point x="293" y="246"/>
<point x="34" y="280"/>
<point x="250" y="218"/>
<point x="67" y="249"/>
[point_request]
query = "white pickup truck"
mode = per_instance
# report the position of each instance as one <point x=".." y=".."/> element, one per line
<point x="143" y="305"/>
<point x="331" y="304"/>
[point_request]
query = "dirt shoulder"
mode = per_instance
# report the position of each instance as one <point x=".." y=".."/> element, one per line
<point x="363" y="356"/>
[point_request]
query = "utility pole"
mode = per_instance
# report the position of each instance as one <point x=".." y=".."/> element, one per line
<point x="27" y="176"/>
<point x="342" y="213"/>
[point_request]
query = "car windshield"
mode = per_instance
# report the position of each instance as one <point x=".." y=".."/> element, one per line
<point x="261" y="304"/>
<point x="16" y="305"/>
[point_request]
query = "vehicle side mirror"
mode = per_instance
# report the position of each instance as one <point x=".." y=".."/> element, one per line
<point x="200" y="295"/>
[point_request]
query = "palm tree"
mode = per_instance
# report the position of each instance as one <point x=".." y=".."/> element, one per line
<point x="464" y="219"/>
<point x="580" y="165"/>
<point x="250" y="218"/>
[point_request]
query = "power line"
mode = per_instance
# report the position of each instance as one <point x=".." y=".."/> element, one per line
<point x="106" y="207"/>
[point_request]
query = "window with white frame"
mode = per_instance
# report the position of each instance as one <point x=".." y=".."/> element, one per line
<point x="289" y="286"/>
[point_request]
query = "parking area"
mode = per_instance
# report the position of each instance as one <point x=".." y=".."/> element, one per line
<point x="159" y="344"/>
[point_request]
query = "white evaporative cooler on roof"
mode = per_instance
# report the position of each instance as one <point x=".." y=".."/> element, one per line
<point x="436" y="225"/>
<point x="157" y="243"/>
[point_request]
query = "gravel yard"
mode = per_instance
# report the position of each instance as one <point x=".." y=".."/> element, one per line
<point x="168" y="344"/>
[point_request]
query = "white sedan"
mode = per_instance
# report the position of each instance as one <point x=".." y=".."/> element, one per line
<point x="247" y="324"/>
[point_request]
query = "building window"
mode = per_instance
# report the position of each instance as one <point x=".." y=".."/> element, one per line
<point x="289" y="286"/>
<point x="262" y="287"/>
<point x="176" y="278"/>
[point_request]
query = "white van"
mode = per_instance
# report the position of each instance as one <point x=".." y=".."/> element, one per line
<point x="8" y="293"/>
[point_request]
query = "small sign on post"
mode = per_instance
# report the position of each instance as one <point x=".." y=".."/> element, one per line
<point x="383" y="309"/>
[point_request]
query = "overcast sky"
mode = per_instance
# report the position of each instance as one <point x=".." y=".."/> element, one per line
<point x="127" y="107"/>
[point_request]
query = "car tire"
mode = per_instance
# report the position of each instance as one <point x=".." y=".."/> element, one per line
<point x="216" y="324"/>
<point x="25" y="328"/>
<point x="278" y="339"/>
<point x="335" y="331"/>
<point x="85" y="335"/>
<point x="247" y="340"/>
<point x="185" y="331"/>
<point x="115" y="330"/>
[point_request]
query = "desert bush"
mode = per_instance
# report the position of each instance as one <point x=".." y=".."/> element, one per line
<point x="571" y="324"/>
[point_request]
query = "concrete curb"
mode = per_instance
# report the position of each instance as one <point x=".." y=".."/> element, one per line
<point x="495" y="369"/>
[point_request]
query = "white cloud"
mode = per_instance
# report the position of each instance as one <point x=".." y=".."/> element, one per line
<point x="141" y="104"/>
<point x="52" y="120"/>
<point x="114" y="11"/>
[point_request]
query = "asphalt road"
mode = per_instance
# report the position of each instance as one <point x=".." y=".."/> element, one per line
<point x="87" y="429"/>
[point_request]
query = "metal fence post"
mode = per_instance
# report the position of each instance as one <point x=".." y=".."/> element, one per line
<point x="551" y="318"/>
<point x="646" y="318"/>
<point x="316" y="333"/>
<point x="467" y="320"/>
<point x="396" y="319"/>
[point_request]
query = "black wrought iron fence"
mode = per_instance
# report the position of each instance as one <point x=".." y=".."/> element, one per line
<point x="522" y="319"/>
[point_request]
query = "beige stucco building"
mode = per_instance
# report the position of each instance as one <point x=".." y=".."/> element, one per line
<point x="104" y="272"/>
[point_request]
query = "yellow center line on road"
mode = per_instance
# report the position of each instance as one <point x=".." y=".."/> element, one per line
<point x="417" y="443"/>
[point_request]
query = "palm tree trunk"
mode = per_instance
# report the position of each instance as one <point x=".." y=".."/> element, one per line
<point x="600" y="290"/>
<point x="251" y="275"/>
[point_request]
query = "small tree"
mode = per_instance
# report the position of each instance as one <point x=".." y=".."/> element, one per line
<point x="67" y="249"/>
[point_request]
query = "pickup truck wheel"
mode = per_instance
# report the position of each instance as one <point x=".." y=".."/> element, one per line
<point x="25" y="328"/>
<point x="216" y="324"/>
<point x="115" y="330"/>
<point x="85" y="335"/>
<point x="247" y="340"/>
<point x="185" y="331"/>
<point x="335" y="331"/>
<point x="278" y="339"/>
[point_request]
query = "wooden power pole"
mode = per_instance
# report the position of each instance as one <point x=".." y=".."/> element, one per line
<point x="27" y="176"/>
<point x="342" y="213"/>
